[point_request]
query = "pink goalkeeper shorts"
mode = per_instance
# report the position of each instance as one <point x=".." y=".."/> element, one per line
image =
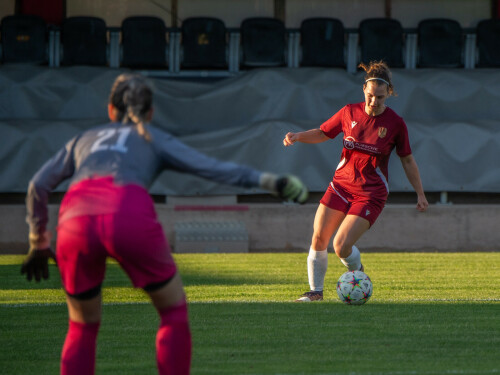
<point x="132" y="235"/>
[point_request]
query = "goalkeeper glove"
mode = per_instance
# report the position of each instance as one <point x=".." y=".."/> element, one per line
<point x="286" y="187"/>
<point x="292" y="188"/>
<point x="36" y="262"/>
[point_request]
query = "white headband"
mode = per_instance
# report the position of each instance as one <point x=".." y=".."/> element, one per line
<point x="378" y="79"/>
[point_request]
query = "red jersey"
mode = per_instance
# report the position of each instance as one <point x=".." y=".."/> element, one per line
<point x="368" y="143"/>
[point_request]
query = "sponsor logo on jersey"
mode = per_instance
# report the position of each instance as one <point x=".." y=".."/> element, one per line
<point x="349" y="142"/>
<point x="382" y="132"/>
<point x="367" y="212"/>
<point x="353" y="124"/>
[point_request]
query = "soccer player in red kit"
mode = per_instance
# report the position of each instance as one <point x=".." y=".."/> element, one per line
<point x="107" y="212"/>
<point x="358" y="192"/>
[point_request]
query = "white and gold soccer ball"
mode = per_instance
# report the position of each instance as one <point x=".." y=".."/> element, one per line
<point x="354" y="288"/>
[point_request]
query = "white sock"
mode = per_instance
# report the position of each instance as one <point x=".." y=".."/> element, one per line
<point x="353" y="261"/>
<point x="317" y="264"/>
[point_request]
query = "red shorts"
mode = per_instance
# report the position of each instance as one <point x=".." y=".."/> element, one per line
<point x="339" y="199"/>
<point x="132" y="235"/>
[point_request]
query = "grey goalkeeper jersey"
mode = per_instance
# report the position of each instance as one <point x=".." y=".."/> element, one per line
<point x="118" y="150"/>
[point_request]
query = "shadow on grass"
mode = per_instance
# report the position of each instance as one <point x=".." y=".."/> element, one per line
<point x="116" y="277"/>
<point x="272" y="338"/>
<point x="12" y="279"/>
<point x="331" y="338"/>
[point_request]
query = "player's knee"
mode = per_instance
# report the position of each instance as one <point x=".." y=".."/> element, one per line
<point x="319" y="242"/>
<point x="167" y="294"/>
<point x="342" y="249"/>
<point x="175" y="314"/>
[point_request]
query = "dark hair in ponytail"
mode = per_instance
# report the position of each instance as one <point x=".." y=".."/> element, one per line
<point x="133" y="98"/>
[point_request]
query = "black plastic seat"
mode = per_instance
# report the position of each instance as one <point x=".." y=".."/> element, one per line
<point x="488" y="43"/>
<point x="322" y="41"/>
<point x="263" y="42"/>
<point x="440" y="43"/>
<point x="144" y="42"/>
<point x="84" y="41"/>
<point x="24" y="39"/>
<point x="382" y="39"/>
<point x="204" y="43"/>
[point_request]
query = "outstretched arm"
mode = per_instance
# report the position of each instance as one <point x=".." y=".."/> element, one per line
<point x="411" y="169"/>
<point x="309" y="136"/>
<point x="180" y="157"/>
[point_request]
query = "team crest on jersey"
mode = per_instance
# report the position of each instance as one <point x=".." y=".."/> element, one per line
<point x="382" y="132"/>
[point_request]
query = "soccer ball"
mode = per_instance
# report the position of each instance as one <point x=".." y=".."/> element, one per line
<point x="354" y="288"/>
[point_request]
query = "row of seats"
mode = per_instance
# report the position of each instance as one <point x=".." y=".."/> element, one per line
<point x="206" y="44"/>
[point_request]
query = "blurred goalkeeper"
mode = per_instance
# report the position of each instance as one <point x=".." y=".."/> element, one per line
<point x="107" y="212"/>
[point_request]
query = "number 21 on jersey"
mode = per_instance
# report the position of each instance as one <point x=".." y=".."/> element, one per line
<point x="104" y="142"/>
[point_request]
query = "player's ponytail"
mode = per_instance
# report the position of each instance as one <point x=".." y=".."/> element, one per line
<point x="133" y="99"/>
<point x="378" y="71"/>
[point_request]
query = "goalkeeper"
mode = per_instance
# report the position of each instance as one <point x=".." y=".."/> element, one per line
<point x="107" y="212"/>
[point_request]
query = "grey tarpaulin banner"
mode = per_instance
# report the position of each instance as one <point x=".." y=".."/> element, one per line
<point x="453" y="118"/>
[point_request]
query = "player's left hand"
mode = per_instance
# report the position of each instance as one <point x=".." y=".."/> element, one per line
<point x="36" y="262"/>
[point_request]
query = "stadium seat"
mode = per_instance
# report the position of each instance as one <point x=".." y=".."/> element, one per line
<point x="263" y="42"/>
<point x="203" y="43"/>
<point x="488" y="43"/>
<point x="322" y="42"/>
<point x="440" y="43"/>
<point x="24" y="39"/>
<point x="144" y="43"/>
<point x="84" y="41"/>
<point x="382" y="39"/>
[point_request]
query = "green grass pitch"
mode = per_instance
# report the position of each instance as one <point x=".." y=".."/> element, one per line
<point x="430" y="313"/>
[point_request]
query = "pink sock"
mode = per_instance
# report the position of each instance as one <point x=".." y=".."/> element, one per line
<point x="173" y="341"/>
<point x="78" y="354"/>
